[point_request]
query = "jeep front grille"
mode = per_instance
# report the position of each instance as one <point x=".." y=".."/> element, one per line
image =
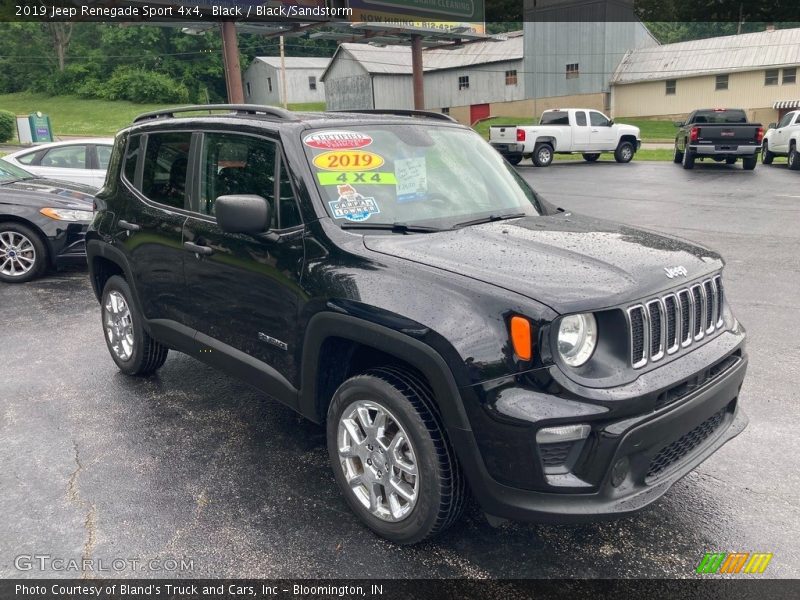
<point x="663" y="325"/>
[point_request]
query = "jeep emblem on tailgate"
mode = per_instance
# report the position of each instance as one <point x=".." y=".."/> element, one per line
<point x="675" y="271"/>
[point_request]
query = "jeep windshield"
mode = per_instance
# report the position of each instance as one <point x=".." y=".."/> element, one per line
<point x="409" y="178"/>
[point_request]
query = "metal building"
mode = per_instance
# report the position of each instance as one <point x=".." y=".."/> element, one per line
<point x="263" y="82"/>
<point x="755" y="71"/>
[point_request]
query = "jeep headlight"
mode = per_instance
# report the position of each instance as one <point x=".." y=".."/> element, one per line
<point x="577" y="338"/>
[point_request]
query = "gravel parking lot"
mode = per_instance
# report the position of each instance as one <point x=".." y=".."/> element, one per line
<point x="192" y="464"/>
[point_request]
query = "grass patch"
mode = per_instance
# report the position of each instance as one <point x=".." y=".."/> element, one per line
<point x="483" y="127"/>
<point x="307" y="106"/>
<point x="651" y="131"/>
<point x="649" y="155"/>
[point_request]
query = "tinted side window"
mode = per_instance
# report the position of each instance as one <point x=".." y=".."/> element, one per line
<point x="289" y="214"/>
<point x="65" y="157"/>
<point x="580" y="118"/>
<point x="131" y="157"/>
<point x="555" y="117"/>
<point x="166" y="160"/>
<point x="597" y="119"/>
<point x="236" y="164"/>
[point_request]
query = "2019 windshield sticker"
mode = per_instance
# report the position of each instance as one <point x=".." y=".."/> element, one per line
<point x="337" y="140"/>
<point x="412" y="178"/>
<point x="348" y="160"/>
<point x="353" y="206"/>
<point x="363" y="177"/>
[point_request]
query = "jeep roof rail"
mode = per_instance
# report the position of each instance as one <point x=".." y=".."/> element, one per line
<point x="241" y="109"/>
<point x="402" y="112"/>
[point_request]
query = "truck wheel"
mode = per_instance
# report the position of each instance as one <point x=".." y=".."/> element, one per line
<point x="542" y="155"/>
<point x="731" y="161"/>
<point x="688" y="159"/>
<point x="677" y="157"/>
<point x="624" y="152"/>
<point x="749" y="162"/>
<point x="390" y="456"/>
<point x="591" y="157"/>
<point x="766" y="156"/>
<point x="131" y="347"/>
<point x="23" y="254"/>
<point x="793" y="160"/>
<point x="514" y="160"/>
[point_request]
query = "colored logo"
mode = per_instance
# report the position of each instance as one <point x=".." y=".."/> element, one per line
<point x="734" y="562"/>
<point x="337" y="140"/>
<point x="348" y="160"/>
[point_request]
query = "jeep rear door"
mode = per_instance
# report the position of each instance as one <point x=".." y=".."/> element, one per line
<point x="243" y="291"/>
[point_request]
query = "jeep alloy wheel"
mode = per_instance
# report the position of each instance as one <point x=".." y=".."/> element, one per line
<point x="118" y="325"/>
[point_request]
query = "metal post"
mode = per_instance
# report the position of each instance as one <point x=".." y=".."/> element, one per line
<point x="230" y="58"/>
<point x="416" y="70"/>
<point x="284" y="91"/>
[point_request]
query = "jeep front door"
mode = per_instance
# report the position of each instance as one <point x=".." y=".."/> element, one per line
<point x="244" y="291"/>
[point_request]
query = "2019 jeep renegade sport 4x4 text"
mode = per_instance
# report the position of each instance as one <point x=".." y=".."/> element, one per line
<point x="391" y="276"/>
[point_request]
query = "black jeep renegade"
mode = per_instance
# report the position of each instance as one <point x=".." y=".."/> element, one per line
<point x="391" y="276"/>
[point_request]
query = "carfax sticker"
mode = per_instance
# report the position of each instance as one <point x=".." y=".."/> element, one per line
<point x="348" y="160"/>
<point x="353" y="206"/>
<point x="367" y="178"/>
<point x="337" y="140"/>
<point x="412" y="178"/>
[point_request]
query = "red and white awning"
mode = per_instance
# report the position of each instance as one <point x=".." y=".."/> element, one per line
<point x="787" y="104"/>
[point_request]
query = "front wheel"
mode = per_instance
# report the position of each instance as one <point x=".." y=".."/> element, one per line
<point x="131" y="347"/>
<point x="591" y="157"/>
<point x="390" y="456"/>
<point x="624" y="152"/>
<point x="749" y="163"/>
<point x="766" y="156"/>
<point x="23" y="255"/>
<point x="793" y="160"/>
<point x="542" y="155"/>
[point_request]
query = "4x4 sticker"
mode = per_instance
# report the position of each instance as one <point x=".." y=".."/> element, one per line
<point x="348" y="160"/>
<point x="337" y="140"/>
<point x="364" y="177"/>
<point x="352" y="206"/>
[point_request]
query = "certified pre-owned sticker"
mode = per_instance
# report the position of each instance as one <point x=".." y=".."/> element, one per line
<point x="353" y="206"/>
<point x="348" y="160"/>
<point x="337" y="140"/>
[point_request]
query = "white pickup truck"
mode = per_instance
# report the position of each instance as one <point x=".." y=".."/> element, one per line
<point x="783" y="139"/>
<point x="566" y="131"/>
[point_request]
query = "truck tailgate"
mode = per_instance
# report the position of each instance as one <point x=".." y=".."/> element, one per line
<point x="503" y="134"/>
<point x="727" y="134"/>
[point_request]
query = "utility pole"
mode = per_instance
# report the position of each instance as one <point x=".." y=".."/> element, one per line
<point x="416" y="70"/>
<point x="230" y="58"/>
<point x="284" y="91"/>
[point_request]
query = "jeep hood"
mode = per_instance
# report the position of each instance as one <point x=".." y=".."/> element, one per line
<point x="566" y="261"/>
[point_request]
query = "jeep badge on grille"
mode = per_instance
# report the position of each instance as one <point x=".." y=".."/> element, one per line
<point x="675" y="271"/>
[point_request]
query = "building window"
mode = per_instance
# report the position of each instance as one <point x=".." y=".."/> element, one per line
<point x="446" y="110"/>
<point x="789" y="75"/>
<point x="721" y="82"/>
<point x="572" y="71"/>
<point x="312" y="83"/>
<point x="269" y="83"/>
<point x="511" y="77"/>
<point x="671" y="84"/>
<point x="771" y="77"/>
<point x="463" y="82"/>
<point x="248" y="88"/>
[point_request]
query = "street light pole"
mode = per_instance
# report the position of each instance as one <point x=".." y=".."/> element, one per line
<point x="416" y="70"/>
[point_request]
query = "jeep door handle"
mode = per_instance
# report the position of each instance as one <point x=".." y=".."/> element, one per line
<point x="198" y="249"/>
<point x="128" y="226"/>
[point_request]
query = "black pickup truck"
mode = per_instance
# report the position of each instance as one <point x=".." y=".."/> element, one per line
<point x="721" y="134"/>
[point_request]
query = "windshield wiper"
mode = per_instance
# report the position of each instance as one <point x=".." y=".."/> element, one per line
<point x="394" y="227"/>
<point x="490" y="219"/>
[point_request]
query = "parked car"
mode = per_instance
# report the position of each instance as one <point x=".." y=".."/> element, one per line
<point x="719" y="134"/>
<point x="566" y="131"/>
<point x="391" y="276"/>
<point x="42" y="223"/>
<point x="78" y="161"/>
<point x="783" y="139"/>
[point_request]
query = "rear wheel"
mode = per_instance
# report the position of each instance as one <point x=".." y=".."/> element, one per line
<point x="766" y="156"/>
<point x="131" y="347"/>
<point x="793" y="159"/>
<point x="390" y="456"/>
<point x="749" y="162"/>
<point x="591" y="157"/>
<point x="542" y="155"/>
<point x="688" y="159"/>
<point x="677" y="156"/>
<point x="23" y="254"/>
<point x="624" y="152"/>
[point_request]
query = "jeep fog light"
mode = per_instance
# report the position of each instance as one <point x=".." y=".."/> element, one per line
<point x="563" y="433"/>
<point x="577" y="338"/>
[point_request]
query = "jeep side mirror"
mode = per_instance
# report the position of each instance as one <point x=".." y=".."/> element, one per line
<point x="678" y="123"/>
<point x="772" y="126"/>
<point x="243" y="213"/>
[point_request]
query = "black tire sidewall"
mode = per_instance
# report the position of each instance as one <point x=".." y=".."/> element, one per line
<point x="618" y="153"/>
<point x="134" y="364"/>
<point x="423" y="516"/>
<point x="41" y="261"/>
<point x="793" y="160"/>
<point x="540" y="163"/>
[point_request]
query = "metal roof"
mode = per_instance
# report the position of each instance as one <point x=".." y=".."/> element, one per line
<point x="396" y="60"/>
<point x="295" y="62"/>
<point x="744" y="52"/>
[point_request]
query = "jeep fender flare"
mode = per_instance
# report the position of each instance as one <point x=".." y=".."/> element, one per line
<point x="418" y="354"/>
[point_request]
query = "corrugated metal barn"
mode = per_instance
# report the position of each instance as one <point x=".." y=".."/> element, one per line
<point x="263" y="84"/>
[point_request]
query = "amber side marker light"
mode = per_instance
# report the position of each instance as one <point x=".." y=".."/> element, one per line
<point x="521" y="337"/>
